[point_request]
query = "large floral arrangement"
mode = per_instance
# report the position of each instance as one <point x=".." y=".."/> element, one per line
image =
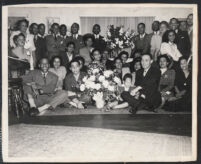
<point x="117" y="38"/>
<point x="100" y="84"/>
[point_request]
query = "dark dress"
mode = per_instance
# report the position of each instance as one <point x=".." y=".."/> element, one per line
<point x="184" y="103"/>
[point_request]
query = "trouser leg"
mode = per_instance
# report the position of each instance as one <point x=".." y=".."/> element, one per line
<point x="130" y="99"/>
<point x="58" y="98"/>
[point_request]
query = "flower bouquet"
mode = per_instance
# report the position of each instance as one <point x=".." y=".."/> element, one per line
<point x="117" y="38"/>
<point x="100" y="85"/>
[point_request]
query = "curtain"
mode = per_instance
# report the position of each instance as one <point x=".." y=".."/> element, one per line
<point x="128" y="22"/>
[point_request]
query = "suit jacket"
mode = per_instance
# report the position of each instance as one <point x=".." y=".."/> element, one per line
<point x="99" y="43"/>
<point x="149" y="84"/>
<point x="142" y="44"/>
<point x="37" y="77"/>
<point x="53" y="46"/>
<point x="40" y="45"/>
<point x="78" y="43"/>
<point x="65" y="59"/>
<point x="183" y="43"/>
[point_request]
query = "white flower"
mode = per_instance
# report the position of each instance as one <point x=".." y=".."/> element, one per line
<point x="97" y="86"/>
<point x="101" y="78"/>
<point x="96" y="70"/>
<point x="121" y="43"/>
<point x="84" y="79"/>
<point x="116" y="40"/>
<point x="92" y="78"/>
<point x="89" y="84"/>
<point x="107" y="73"/>
<point x="109" y="34"/>
<point x="111" y="88"/>
<point x="98" y="95"/>
<point x="117" y="80"/>
<point x="105" y="83"/>
<point x="82" y="87"/>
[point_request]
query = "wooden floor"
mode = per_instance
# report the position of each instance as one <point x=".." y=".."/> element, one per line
<point x="176" y="124"/>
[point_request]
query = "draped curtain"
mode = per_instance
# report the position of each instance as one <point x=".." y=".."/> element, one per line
<point x="128" y="22"/>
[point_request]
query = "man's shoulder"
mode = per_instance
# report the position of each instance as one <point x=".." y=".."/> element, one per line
<point x="52" y="75"/>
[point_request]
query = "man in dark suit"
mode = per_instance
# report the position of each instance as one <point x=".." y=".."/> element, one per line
<point x="39" y="41"/>
<point x="182" y="39"/>
<point x="54" y="42"/>
<point x="142" y="40"/>
<point x="63" y="35"/>
<point x="99" y="43"/>
<point x="40" y="89"/>
<point x="147" y="81"/>
<point x="76" y="38"/>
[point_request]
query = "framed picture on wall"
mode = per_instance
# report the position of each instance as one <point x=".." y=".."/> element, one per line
<point x="50" y="21"/>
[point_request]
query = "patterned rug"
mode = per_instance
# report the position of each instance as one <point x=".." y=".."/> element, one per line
<point x="66" y="143"/>
<point x="93" y="110"/>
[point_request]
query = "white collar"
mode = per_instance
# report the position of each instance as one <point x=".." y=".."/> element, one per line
<point x="65" y="36"/>
<point x="76" y="35"/>
<point x="142" y="36"/>
<point x="44" y="73"/>
<point x="96" y="36"/>
<point x="163" y="70"/>
<point x="41" y="35"/>
<point x="156" y="32"/>
<point x="170" y="43"/>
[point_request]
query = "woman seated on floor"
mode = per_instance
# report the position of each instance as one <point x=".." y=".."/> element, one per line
<point x="183" y="88"/>
<point x="58" y="70"/>
<point x="167" y="79"/>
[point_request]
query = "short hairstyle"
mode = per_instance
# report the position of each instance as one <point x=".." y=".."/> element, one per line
<point x="156" y="22"/>
<point x="54" y="24"/>
<point x="182" y="58"/>
<point x="80" y="58"/>
<point x="53" y="58"/>
<point x="63" y="25"/>
<point x="94" y="50"/>
<point x="147" y="55"/>
<point x="138" y="59"/>
<point x="96" y="25"/>
<point x="43" y="59"/>
<point x="141" y="24"/>
<point x="21" y="21"/>
<point x="166" y="57"/>
<point x="191" y="14"/>
<point x="74" y="61"/>
<point x="123" y="53"/>
<point x="76" y="24"/>
<point x="16" y="37"/>
<point x="41" y="24"/>
<point x="117" y="58"/>
<point x="173" y="19"/>
<point x="87" y="36"/>
<point x="165" y="23"/>
<point x="31" y="27"/>
<point x="70" y="43"/>
<point x="126" y="76"/>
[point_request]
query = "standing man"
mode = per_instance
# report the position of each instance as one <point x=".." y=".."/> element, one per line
<point x="182" y="39"/>
<point x="54" y="42"/>
<point x="63" y="35"/>
<point x="76" y="38"/>
<point x="41" y="50"/>
<point x="99" y="43"/>
<point x="156" y="40"/>
<point x="142" y="40"/>
<point x="190" y="27"/>
<point x="40" y="89"/>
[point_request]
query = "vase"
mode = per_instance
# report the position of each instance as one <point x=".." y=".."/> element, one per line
<point x="100" y="103"/>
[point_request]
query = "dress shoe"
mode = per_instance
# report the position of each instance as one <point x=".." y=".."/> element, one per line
<point x="132" y="110"/>
<point x="33" y="111"/>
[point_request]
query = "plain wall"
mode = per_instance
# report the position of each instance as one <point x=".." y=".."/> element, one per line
<point x="69" y="15"/>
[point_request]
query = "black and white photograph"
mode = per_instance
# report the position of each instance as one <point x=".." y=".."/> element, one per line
<point x="99" y="82"/>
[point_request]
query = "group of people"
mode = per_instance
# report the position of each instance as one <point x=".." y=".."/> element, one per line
<point x="156" y="74"/>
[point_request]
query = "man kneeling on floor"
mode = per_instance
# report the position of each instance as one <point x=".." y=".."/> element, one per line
<point x="40" y="89"/>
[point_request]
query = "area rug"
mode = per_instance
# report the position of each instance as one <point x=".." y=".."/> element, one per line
<point x="66" y="143"/>
<point x="93" y="110"/>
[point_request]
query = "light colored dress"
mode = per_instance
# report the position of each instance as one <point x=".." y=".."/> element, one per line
<point x="61" y="73"/>
<point x="29" y="41"/>
<point x="171" y="50"/>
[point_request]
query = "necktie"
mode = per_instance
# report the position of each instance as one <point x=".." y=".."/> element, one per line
<point x="44" y="78"/>
<point x="55" y="37"/>
<point x="144" y="73"/>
